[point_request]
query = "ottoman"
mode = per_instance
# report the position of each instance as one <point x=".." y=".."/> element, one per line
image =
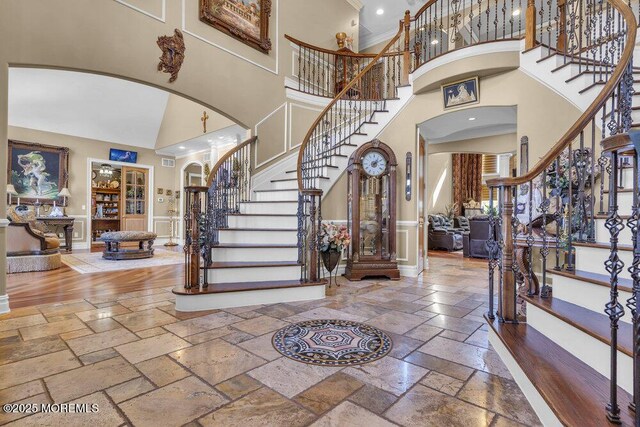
<point x="113" y="239"/>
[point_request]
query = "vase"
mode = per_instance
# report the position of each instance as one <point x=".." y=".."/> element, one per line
<point x="330" y="259"/>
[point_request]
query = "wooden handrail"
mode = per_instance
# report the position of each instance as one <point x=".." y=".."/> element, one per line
<point x="329" y="51"/>
<point x="337" y="98"/>
<point x="224" y="158"/>
<point x="590" y="112"/>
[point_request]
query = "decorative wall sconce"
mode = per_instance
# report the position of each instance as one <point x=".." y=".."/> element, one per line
<point x="407" y="188"/>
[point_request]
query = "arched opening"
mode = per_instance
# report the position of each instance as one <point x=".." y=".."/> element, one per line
<point x="131" y="147"/>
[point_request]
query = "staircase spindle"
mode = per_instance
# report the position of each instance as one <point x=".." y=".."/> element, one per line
<point x="614" y="266"/>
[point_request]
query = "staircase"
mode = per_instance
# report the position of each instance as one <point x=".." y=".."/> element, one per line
<point x="565" y="327"/>
<point x="558" y="324"/>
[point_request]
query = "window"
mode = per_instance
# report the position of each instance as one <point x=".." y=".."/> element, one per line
<point x="490" y="169"/>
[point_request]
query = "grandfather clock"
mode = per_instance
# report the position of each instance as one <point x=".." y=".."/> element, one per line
<point x="371" y="212"/>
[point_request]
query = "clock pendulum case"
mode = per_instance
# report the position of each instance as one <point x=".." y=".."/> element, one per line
<point x="371" y="212"/>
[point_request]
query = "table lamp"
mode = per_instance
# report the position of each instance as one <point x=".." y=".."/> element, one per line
<point x="11" y="191"/>
<point x="64" y="193"/>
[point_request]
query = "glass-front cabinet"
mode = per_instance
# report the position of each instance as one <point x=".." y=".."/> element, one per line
<point x="135" y="198"/>
<point x="371" y="212"/>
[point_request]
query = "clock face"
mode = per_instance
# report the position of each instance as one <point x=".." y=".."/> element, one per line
<point x="374" y="163"/>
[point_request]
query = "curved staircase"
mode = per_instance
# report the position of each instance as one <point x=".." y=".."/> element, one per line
<point x="568" y="330"/>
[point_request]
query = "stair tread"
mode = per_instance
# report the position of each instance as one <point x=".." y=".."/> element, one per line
<point x="257" y="229"/>
<point x="254" y="245"/>
<point x="275" y="190"/>
<point x="621" y="247"/>
<point x="270" y="201"/>
<point x="249" y="264"/>
<point x="605" y="216"/>
<point x="575" y="392"/>
<point x="260" y="214"/>
<point x="215" y="288"/>
<point x="594" y="278"/>
<point x="325" y="166"/>
<point x="588" y="321"/>
<point x="621" y="190"/>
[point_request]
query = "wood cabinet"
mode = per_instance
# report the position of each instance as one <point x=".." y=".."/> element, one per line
<point x="135" y="187"/>
<point x="105" y="211"/>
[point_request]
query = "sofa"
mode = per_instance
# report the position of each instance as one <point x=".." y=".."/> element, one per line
<point x="29" y="247"/>
<point x="475" y="242"/>
<point x="443" y="235"/>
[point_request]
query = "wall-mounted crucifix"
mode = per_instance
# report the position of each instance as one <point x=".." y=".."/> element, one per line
<point x="204" y="119"/>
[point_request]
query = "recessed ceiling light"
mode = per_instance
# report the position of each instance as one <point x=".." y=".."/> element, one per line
<point x="434" y="41"/>
<point x="471" y="119"/>
<point x="379" y="11"/>
<point x="182" y="147"/>
<point x="209" y="140"/>
<point x="516" y="12"/>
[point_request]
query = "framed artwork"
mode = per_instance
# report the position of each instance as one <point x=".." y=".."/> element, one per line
<point x="117" y="155"/>
<point x="169" y="193"/>
<point x="160" y="191"/>
<point x="463" y="92"/>
<point x="38" y="172"/>
<point x="246" y="20"/>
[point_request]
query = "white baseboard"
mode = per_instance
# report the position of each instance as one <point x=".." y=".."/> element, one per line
<point x="4" y="304"/>
<point x="246" y="298"/>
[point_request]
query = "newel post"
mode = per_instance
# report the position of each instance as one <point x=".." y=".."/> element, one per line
<point x="530" y="27"/>
<point x="406" y="54"/>
<point x="192" y="246"/>
<point x="562" y="26"/>
<point x="508" y="294"/>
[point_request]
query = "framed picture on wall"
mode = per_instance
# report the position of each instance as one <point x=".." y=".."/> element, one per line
<point x="462" y="92"/>
<point x="37" y="171"/>
<point x="117" y="155"/>
<point x="245" y="20"/>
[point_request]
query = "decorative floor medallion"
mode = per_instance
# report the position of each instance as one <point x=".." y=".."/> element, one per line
<point x="332" y="342"/>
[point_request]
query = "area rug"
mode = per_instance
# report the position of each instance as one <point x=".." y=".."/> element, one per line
<point x="93" y="262"/>
<point x="332" y="342"/>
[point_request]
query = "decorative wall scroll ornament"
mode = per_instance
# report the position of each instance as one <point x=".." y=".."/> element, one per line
<point x="204" y="119"/>
<point x="246" y="20"/>
<point x="172" y="54"/>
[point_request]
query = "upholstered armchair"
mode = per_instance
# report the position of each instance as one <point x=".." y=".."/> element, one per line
<point x="461" y="223"/>
<point x="29" y="248"/>
<point x="475" y="243"/>
<point x="441" y="235"/>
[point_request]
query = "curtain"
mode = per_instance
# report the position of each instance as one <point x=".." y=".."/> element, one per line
<point x="467" y="179"/>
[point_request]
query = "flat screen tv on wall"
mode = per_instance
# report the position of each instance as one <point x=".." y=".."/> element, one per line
<point x="123" y="156"/>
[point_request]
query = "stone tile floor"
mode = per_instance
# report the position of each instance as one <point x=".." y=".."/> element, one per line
<point x="145" y="364"/>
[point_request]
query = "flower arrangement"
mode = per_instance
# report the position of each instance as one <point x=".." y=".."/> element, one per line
<point x="333" y="237"/>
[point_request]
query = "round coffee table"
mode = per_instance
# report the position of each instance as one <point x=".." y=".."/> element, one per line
<point x="113" y="239"/>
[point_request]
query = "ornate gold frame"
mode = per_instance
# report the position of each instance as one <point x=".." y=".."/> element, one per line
<point x="263" y="43"/>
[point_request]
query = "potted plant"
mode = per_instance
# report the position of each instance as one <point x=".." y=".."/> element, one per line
<point x="333" y="240"/>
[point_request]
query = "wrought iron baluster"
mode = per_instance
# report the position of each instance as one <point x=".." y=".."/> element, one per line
<point x="634" y="269"/>
<point x="614" y="267"/>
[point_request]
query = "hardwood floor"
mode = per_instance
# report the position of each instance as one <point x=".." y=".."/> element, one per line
<point x="65" y="284"/>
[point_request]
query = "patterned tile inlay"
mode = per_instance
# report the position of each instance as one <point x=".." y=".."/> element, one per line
<point x="144" y="363"/>
<point x="332" y="342"/>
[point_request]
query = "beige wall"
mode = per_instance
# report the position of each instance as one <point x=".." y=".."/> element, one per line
<point x="542" y="115"/>
<point x="182" y="121"/>
<point x="80" y="150"/>
<point x="496" y="144"/>
<point x="439" y="177"/>
<point x="107" y="37"/>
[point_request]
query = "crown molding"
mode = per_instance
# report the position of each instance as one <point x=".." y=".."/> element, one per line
<point x="367" y="42"/>
<point x="357" y="4"/>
